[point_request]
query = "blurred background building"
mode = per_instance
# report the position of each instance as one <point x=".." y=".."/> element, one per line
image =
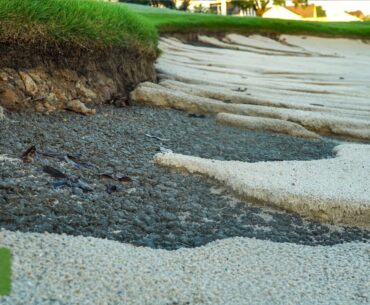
<point x="308" y="10"/>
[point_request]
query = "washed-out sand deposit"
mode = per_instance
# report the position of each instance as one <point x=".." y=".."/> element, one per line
<point x="60" y="269"/>
<point x="335" y="190"/>
<point x="318" y="83"/>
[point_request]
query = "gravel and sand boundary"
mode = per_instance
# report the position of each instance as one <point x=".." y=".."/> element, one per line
<point x="333" y="190"/>
<point x="134" y="200"/>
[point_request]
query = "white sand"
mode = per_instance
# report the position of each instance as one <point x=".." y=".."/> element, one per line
<point x="337" y="47"/>
<point x="217" y="93"/>
<point x="333" y="190"/>
<point x="60" y="269"/>
<point x="213" y="92"/>
<point x="334" y="79"/>
<point x="264" y="43"/>
<point x="265" y="124"/>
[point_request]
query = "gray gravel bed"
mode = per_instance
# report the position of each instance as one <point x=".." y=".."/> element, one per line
<point x="132" y="200"/>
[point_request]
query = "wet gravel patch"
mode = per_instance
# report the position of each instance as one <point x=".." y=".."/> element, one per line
<point x="111" y="188"/>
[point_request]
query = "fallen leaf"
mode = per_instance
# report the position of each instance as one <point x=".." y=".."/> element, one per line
<point x="124" y="179"/>
<point x="29" y="155"/>
<point x="54" y="172"/>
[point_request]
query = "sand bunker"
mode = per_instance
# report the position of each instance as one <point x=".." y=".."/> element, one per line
<point x="333" y="190"/>
<point x="60" y="269"/>
<point x="323" y="81"/>
<point x="295" y="86"/>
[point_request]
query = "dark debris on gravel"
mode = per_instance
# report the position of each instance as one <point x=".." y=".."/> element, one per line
<point x="94" y="176"/>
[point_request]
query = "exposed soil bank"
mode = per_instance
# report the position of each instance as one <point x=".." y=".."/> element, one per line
<point x="43" y="81"/>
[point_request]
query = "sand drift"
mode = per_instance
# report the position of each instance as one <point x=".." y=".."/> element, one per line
<point x="320" y="84"/>
<point x="333" y="190"/>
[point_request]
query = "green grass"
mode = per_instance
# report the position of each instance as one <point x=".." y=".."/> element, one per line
<point x="85" y="23"/>
<point x="5" y="271"/>
<point x="169" y="21"/>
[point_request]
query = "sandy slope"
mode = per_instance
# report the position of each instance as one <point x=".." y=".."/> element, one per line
<point x="324" y="78"/>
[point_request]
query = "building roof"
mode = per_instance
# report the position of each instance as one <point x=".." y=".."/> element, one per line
<point x="280" y="12"/>
<point x="305" y="11"/>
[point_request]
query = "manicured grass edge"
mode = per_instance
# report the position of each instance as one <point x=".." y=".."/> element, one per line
<point x="174" y="22"/>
